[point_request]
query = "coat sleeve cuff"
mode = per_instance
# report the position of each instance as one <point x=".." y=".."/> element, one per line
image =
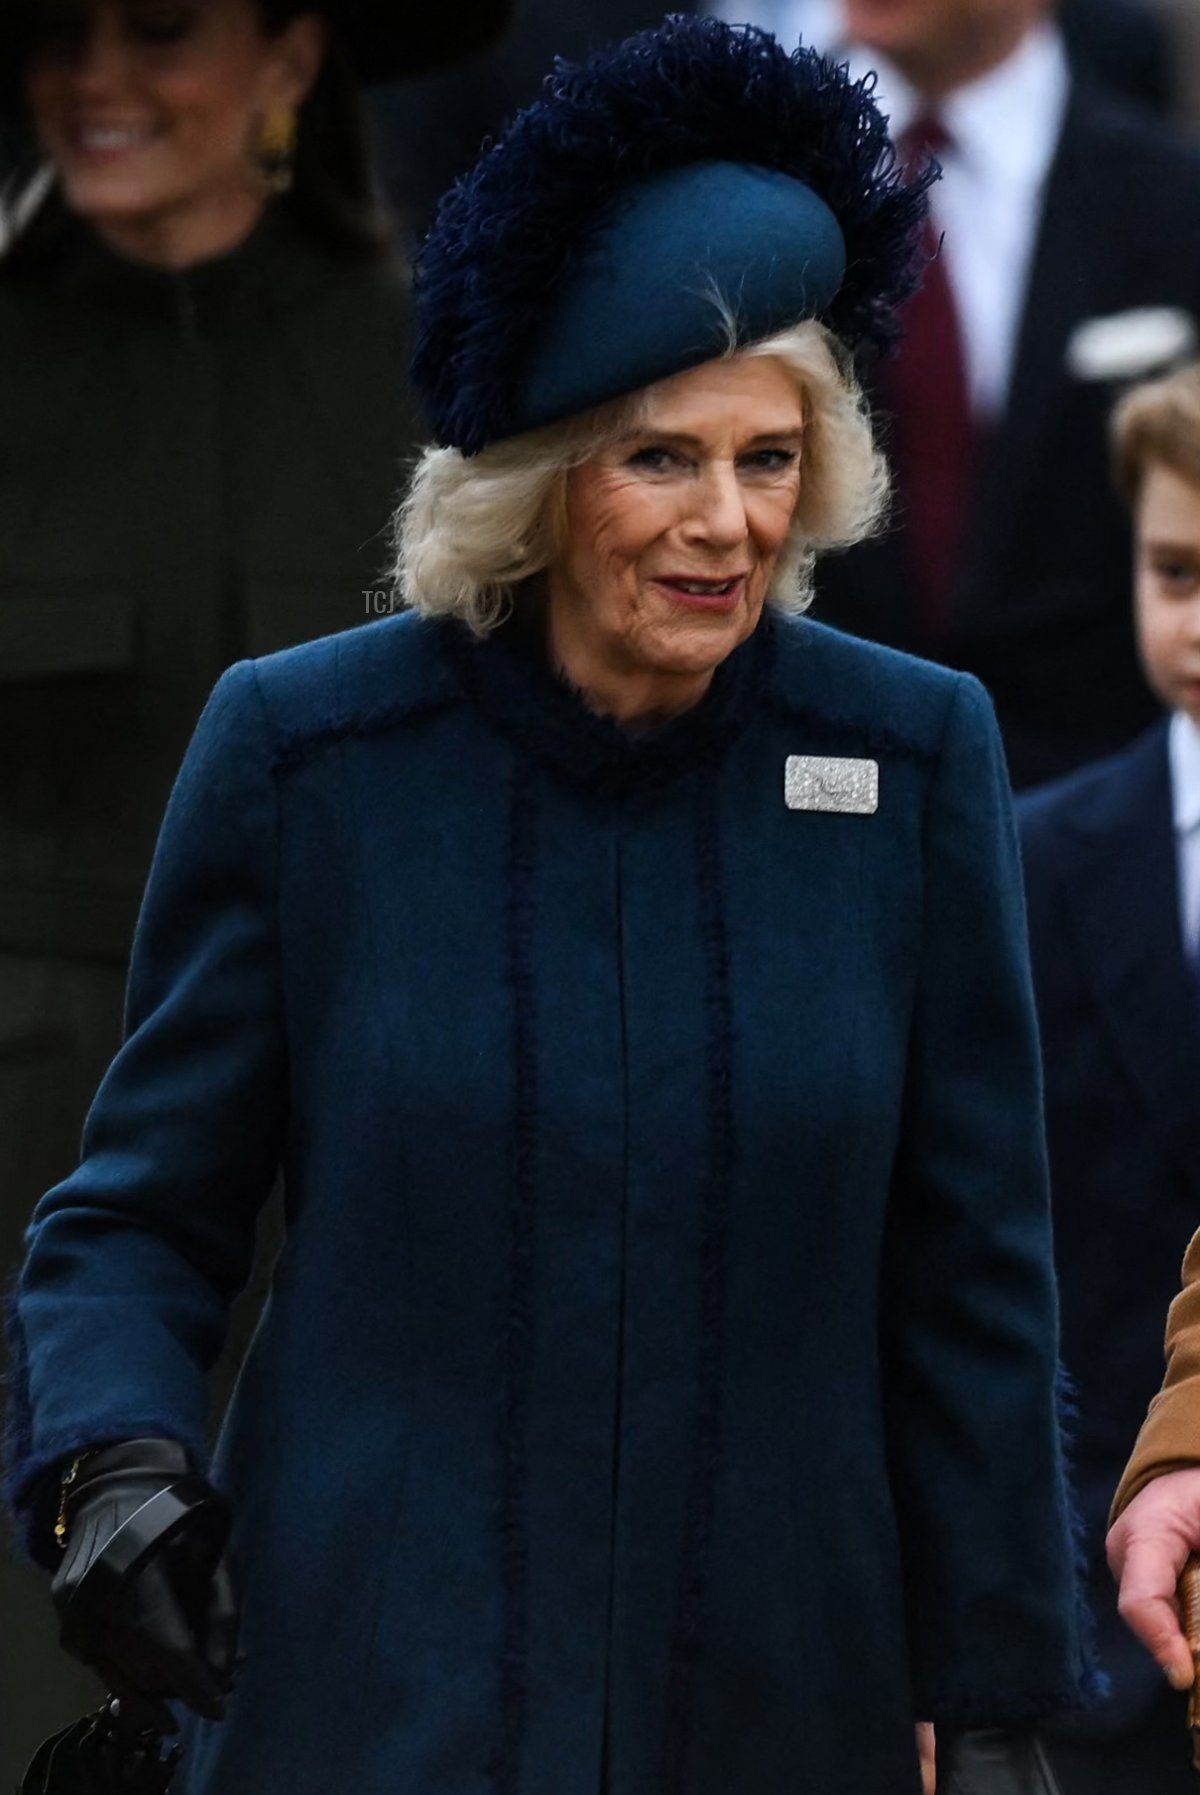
<point x="33" y="1492"/>
<point x="1170" y="1436"/>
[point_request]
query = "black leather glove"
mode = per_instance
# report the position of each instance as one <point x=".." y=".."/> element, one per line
<point x="992" y="1762"/>
<point x="144" y="1594"/>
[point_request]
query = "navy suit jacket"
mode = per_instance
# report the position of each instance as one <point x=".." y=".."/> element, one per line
<point x="1119" y="1012"/>
<point x="1041" y="605"/>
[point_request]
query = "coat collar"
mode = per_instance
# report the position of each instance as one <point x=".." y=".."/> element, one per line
<point x="507" y="678"/>
<point x="1124" y="907"/>
<point x="276" y="269"/>
<point x="1183" y="750"/>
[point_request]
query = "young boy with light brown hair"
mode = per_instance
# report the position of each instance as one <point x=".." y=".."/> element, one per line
<point x="1112" y="866"/>
<point x="1156" y="443"/>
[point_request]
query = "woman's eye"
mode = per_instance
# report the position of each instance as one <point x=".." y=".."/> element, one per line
<point x="654" y="460"/>
<point x="770" y="461"/>
<point x="1177" y="576"/>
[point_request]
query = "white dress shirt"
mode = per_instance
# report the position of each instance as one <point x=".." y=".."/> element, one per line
<point x="1183" y="753"/>
<point x="1004" y="128"/>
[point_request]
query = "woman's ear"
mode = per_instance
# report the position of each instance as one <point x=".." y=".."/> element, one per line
<point x="298" y="52"/>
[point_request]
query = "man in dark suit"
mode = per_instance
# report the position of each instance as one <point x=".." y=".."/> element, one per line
<point x="1112" y="866"/>
<point x="1059" y="208"/>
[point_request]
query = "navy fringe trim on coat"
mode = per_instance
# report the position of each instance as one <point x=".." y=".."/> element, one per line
<point x="504" y="1767"/>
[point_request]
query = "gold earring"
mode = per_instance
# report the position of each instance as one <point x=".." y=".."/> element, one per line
<point x="275" y="148"/>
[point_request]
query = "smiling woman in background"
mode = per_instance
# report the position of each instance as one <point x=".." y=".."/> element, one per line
<point x="656" y="1393"/>
<point x="203" y="413"/>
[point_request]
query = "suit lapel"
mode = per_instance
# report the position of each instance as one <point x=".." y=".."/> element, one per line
<point x="1125" y="905"/>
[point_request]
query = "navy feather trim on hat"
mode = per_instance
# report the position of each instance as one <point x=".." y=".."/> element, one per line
<point x="513" y="236"/>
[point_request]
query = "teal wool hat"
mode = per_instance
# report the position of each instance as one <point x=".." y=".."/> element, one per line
<point x="663" y="262"/>
<point x="693" y="184"/>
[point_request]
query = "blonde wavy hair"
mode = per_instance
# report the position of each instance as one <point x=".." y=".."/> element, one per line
<point x="473" y="529"/>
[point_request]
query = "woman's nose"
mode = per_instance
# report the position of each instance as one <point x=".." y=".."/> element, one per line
<point x="720" y="513"/>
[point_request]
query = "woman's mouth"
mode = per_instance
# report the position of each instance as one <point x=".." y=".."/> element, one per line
<point x="704" y="595"/>
<point x="107" y="143"/>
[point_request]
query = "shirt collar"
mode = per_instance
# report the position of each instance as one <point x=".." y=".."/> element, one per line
<point x="1183" y="752"/>
<point x="1006" y="122"/>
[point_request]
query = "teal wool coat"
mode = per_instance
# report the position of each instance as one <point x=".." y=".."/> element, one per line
<point x="656" y="1391"/>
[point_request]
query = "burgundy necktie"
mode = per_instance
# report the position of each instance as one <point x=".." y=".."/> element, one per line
<point x="933" y="438"/>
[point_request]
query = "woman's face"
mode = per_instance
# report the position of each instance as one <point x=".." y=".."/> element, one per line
<point x="149" y="111"/>
<point x="672" y="536"/>
<point x="1168" y="587"/>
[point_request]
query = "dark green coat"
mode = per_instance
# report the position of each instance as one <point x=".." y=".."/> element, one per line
<point x="193" y="467"/>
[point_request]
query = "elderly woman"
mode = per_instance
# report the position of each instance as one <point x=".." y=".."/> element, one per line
<point x="656" y="1395"/>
